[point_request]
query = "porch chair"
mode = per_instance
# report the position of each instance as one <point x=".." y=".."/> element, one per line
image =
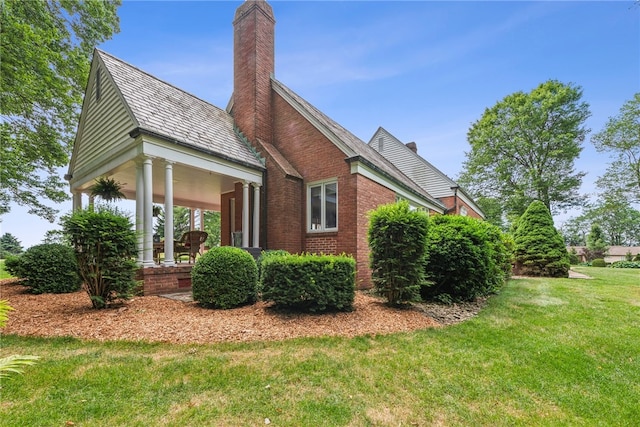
<point x="189" y="244"/>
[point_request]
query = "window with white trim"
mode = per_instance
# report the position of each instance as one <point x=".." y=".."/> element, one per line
<point x="322" y="206"/>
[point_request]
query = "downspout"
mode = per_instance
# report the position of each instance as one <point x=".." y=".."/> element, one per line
<point x="455" y="189"/>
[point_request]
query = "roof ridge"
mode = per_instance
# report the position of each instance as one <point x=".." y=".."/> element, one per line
<point x="363" y="149"/>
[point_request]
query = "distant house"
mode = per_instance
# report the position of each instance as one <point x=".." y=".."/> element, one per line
<point x="406" y="158"/>
<point x="615" y="253"/>
<point x="282" y="173"/>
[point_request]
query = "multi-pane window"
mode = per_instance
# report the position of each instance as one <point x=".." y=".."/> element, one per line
<point x="322" y="206"/>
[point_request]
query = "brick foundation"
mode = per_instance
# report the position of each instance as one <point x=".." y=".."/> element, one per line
<point x="165" y="280"/>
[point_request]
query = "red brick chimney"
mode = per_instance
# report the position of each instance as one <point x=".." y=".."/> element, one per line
<point x="253" y="65"/>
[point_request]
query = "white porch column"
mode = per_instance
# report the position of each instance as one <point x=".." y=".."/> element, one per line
<point x="140" y="211"/>
<point x="245" y="214"/>
<point x="256" y="215"/>
<point x="77" y="201"/>
<point x="168" y="215"/>
<point x="147" y="171"/>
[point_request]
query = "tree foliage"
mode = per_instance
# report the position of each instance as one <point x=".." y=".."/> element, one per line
<point x="46" y="46"/>
<point x="621" y="138"/>
<point x="596" y="245"/>
<point x="619" y="220"/>
<point x="9" y="245"/>
<point x="539" y="248"/>
<point x="524" y="149"/>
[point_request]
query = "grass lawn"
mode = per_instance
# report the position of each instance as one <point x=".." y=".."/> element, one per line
<point x="3" y="272"/>
<point x="543" y="352"/>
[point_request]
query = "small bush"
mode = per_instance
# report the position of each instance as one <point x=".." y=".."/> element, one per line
<point x="225" y="277"/>
<point x="598" y="262"/>
<point x="309" y="282"/>
<point x="397" y="238"/>
<point x="105" y="246"/>
<point x="637" y="257"/>
<point x="48" y="268"/>
<point x="626" y="264"/>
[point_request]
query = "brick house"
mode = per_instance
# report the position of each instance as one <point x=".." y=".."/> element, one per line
<point x="282" y="173"/>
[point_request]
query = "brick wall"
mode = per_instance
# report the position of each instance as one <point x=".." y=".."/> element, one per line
<point x="165" y="280"/>
<point x="370" y="195"/>
<point x="449" y="202"/>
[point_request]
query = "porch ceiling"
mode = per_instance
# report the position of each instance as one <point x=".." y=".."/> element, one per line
<point x="192" y="187"/>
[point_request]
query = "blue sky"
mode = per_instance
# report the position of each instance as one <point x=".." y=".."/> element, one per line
<point x="425" y="71"/>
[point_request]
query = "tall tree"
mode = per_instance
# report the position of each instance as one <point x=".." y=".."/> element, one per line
<point x="524" y="149"/>
<point x="617" y="218"/>
<point x="596" y="246"/>
<point x="621" y="138"/>
<point x="46" y="47"/>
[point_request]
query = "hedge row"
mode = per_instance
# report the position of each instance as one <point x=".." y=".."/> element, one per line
<point x="227" y="277"/>
<point x="309" y="282"/>
<point x="446" y="258"/>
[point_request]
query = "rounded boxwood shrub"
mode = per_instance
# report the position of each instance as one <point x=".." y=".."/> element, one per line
<point x="225" y="277"/>
<point x="50" y="268"/>
<point x="466" y="258"/>
<point x="598" y="262"/>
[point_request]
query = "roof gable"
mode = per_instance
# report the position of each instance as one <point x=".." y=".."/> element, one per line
<point x="105" y="121"/>
<point x="417" y="167"/>
<point x="164" y="110"/>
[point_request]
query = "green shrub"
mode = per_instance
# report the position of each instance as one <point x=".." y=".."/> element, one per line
<point x="539" y="247"/>
<point x="466" y="258"/>
<point x="225" y="277"/>
<point x="598" y="262"/>
<point x="574" y="259"/>
<point x="264" y="255"/>
<point x="397" y="238"/>
<point x="13" y="266"/>
<point x="105" y="246"/>
<point x="626" y="264"/>
<point x="637" y="257"/>
<point x="309" y="282"/>
<point x="48" y="268"/>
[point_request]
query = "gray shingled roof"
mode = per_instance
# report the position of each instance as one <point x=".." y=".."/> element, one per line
<point x="358" y="147"/>
<point x="165" y="110"/>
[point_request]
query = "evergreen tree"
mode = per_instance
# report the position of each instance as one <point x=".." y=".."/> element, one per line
<point x="596" y="244"/>
<point x="9" y="245"/>
<point x="540" y="249"/>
